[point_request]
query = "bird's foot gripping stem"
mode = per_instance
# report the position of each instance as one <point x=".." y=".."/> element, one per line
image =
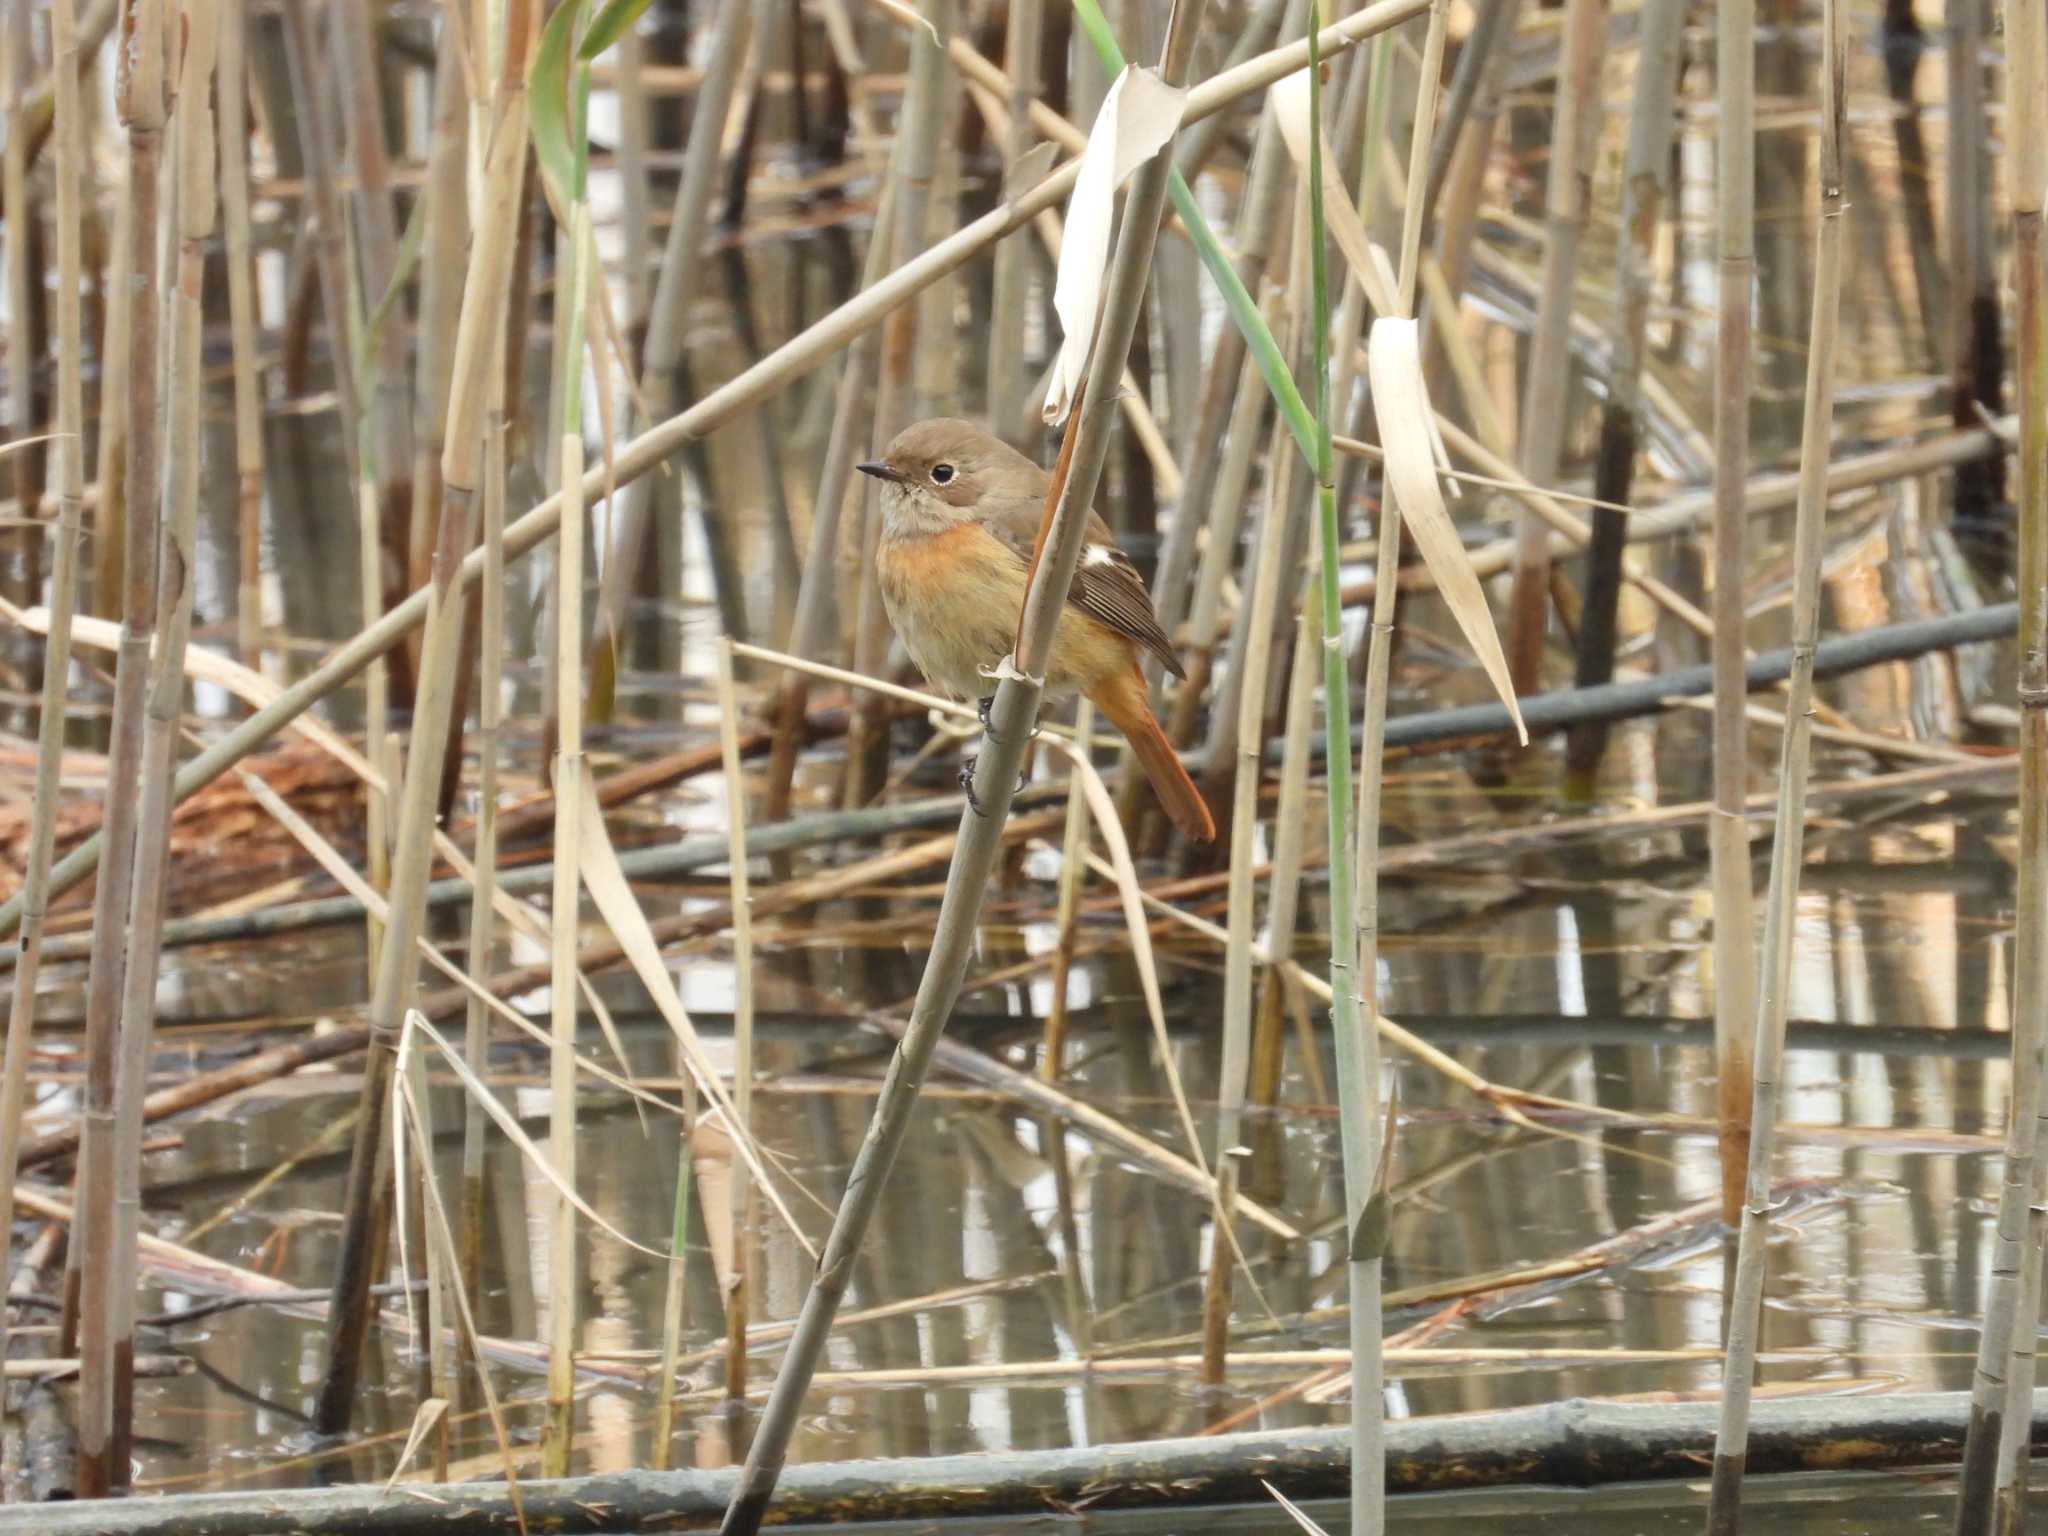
<point x="967" y="765"/>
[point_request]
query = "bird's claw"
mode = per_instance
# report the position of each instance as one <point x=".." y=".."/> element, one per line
<point x="967" y="765"/>
<point x="967" y="786"/>
<point x="981" y="708"/>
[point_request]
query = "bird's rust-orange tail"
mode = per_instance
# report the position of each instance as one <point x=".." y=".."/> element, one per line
<point x="1122" y="699"/>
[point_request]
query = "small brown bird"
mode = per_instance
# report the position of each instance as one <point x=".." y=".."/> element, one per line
<point x="960" y="511"/>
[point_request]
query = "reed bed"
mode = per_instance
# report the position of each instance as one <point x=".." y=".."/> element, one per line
<point x="1412" y="380"/>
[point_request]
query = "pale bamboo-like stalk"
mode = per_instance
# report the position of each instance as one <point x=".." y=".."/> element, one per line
<point x="1652" y="123"/>
<point x="1052" y="1056"/>
<point x="1070" y="498"/>
<point x="642" y="454"/>
<point x="563" y="1292"/>
<point x="69" y="448"/>
<point x="1007" y="385"/>
<point x="141" y="100"/>
<point x="1253" y="662"/>
<point x="441" y="251"/>
<point x="193" y="171"/>
<point x="1728" y="839"/>
<point x="245" y="323"/>
<point x="1566" y="204"/>
<point x="631" y="86"/>
<point x="109" y="517"/>
<point x="1774" y="966"/>
<point x="743" y="1203"/>
<point x="1354" y="859"/>
<point x="17" y="64"/>
<point x="675" y="284"/>
<point x="482" y="930"/>
<point x="365" y="1209"/>
<point x="1995" y="1455"/>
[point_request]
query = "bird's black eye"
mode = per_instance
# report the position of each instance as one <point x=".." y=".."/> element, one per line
<point x="941" y="474"/>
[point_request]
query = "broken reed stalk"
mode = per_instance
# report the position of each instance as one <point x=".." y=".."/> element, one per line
<point x="193" y="199"/>
<point x="70" y="481"/>
<point x="490" y="712"/>
<point x="245" y="322"/>
<point x="736" y="1284"/>
<point x="1574" y="126"/>
<point x="1728" y="834"/>
<point x="141" y="101"/>
<point x="1070" y="497"/>
<point x="1774" y="965"/>
<point x="1652" y="124"/>
<point x="365" y="1207"/>
<point x="1996" y="1448"/>
<point x="675" y="284"/>
<point x="746" y="389"/>
<point x="563" y="1292"/>
<point x="1024" y="30"/>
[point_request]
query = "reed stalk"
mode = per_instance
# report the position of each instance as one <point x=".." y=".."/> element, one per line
<point x="1023" y="36"/>
<point x="365" y="1204"/>
<point x="1774" y="967"/>
<point x="563" y="1291"/>
<point x="743" y="1204"/>
<point x="1254" y="661"/>
<point x="246" y="324"/>
<point x="69" y="449"/>
<point x="1993" y="1481"/>
<point x="1069" y="500"/>
<point x="1728" y="838"/>
<point x="675" y="1291"/>
<point x="1567" y="200"/>
<point x="817" y="593"/>
<point x="17" y="65"/>
<point x="675" y="285"/>
<point x="141" y="100"/>
<point x="1052" y="1056"/>
<point x="109" y="519"/>
<point x="482" y="930"/>
<point x="746" y="389"/>
<point x="1652" y="123"/>
<point x="194" y="200"/>
<point x="1976" y="361"/>
<point x="918" y="130"/>
<point x="353" y="58"/>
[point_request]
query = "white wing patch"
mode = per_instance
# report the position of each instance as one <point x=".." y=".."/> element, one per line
<point x="1098" y="554"/>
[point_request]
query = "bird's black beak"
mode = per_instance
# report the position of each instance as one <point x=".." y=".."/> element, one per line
<point x="881" y="472"/>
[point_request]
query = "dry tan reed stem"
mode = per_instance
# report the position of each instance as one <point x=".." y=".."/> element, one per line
<point x="17" y="62"/>
<point x="1566" y="205"/>
<point x="1728" y="826"/>
<point x="70" y="478"/>
<point x="141" y="99"/>
<point x="246" y="323"/>
<point x="1994" y="1460"/>
<point x="1052" y="1058"/>
<point x="1024" y="29"/>
<point x="1774" y="965"/>
<point x="636" y="458"/>
<point x="564" y="1294"/>
<point x="736" y="1284"/>
<point x="366" y="1194"/>
<point x="193" y="183"/>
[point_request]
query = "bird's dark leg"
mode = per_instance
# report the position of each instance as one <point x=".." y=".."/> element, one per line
<point x="981" y="708"/>
<point x="967" y="785"/>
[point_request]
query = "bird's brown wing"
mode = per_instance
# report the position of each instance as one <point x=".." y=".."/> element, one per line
<point x="1107" y="587"/>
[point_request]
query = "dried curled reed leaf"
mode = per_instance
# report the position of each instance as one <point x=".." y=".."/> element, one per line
<point x="1368" y="262"/>
<point x="1138" y="117"/>
<point x="1400" y="399"/>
